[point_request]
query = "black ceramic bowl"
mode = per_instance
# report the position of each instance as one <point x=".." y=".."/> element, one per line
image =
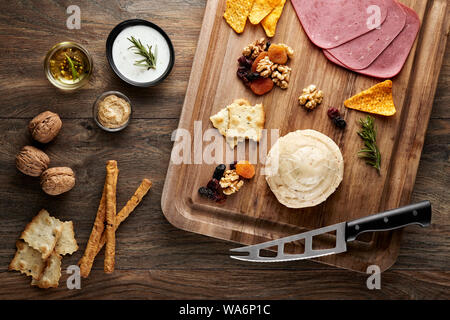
<point x="133" y="22"/>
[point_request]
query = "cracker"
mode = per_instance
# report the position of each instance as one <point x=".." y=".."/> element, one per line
<point x="260" y="9"/>
<point x="42" y="233"/>
<point x="236" y="13"/>
<point x="220" y="121"/>
<point x="269" y="23"/>
<point x="377" y="99"/>
<point x="27" y="260"/>
<point x="67" y="244"/>
<point x="245" y="122"/>
<point x="239" y="121"/>
<point x="52" y="273"/>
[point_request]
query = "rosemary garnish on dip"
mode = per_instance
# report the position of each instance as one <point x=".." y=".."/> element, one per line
<point x="370" y="152"/>
<point x="149" y="60"/>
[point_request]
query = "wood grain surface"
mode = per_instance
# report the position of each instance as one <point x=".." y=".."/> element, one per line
<point x="154" y="259"/>
<point x="254" y="215"/>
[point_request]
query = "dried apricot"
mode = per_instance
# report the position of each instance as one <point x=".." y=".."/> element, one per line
<point x="261" y="56"/>
<point x="277" y="54"/>
<point x="261" y="86"/>
<point x="245" y="169"/>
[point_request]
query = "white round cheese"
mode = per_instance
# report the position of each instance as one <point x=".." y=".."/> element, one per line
<point x="303" y="168"/>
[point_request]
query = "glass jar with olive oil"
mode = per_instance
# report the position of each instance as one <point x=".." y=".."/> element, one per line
<point x="68" y="65"/>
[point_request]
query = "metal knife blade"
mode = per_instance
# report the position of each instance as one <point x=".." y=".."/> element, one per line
<point x="254" y="250"/>
<point x="418" y="213"/>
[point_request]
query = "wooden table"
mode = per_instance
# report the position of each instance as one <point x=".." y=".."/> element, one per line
<point x="154" y="259"/>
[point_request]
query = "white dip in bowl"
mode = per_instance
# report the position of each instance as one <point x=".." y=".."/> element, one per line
<point x="124" y="54"/>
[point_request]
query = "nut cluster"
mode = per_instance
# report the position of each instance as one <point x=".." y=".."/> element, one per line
<point x="253" y="50"/>
<point x="311" y="97"/>
<point x="280" y="74"/>
<point x="34" y="162"/>
<point x="230" y="182"/>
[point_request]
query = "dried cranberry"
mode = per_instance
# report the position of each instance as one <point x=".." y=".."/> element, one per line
<point x="207" y="193"/>
<point x="213" y="184"/>
<point x="333" y="113"/>
<point x="252" y="76"/>
<point x="220" y="197"/>
<point x="243" y="71"/>
<point x="339" y="122"/>
<point x="218" y="172"/>
<point x="245" y="62"/>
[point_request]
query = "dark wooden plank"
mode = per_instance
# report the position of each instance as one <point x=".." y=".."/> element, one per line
<point x="213" y="284"/>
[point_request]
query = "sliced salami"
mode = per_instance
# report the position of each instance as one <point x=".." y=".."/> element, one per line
<point x="330" y="23"/>
<point x="391" y="61"/>
<point x="359" y="53"/>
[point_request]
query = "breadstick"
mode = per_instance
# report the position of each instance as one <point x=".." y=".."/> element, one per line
<point x="134" y="201"/>
<point x="90" y="252"/>
<point x="111" y="168"/>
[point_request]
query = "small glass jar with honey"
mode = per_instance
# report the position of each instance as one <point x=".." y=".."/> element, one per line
<point x="68" y="65"/>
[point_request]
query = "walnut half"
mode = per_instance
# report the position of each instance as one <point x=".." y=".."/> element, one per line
<point x="230" y="182"/>
<point x="311" y="97"/>
<point x="55" y="181"/>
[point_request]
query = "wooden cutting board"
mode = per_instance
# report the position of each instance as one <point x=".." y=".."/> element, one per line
<point x="253" y="214"/>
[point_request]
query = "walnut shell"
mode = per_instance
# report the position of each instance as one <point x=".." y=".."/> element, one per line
<point x="45" y="126"/>
<point x="55" y="181"/>
<point x="32" y="161"/>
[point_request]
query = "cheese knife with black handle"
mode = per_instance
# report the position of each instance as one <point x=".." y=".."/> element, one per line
<point x="418" y="213"/>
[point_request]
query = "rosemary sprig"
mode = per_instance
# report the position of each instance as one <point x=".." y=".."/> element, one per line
<point x="370" y="152"/>
<point x="149" y="60"/>
<point x="75" y="74"/>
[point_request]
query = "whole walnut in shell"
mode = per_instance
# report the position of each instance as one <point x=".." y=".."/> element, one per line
<point x="32" y="161"/>
<point x="45" y="126"/>
<point x="55" y="181"/>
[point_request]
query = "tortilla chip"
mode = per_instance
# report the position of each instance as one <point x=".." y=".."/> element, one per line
<point x="236" y="13"/>
<point x="27" y="260"/>
<point x="261" y="8"/>
<point x="52" y="273"/>
<point x="67" y="244"/>
<point x="377" y="99"/>
<point x="42" y="233"/>
<point x="269" y="23"/>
